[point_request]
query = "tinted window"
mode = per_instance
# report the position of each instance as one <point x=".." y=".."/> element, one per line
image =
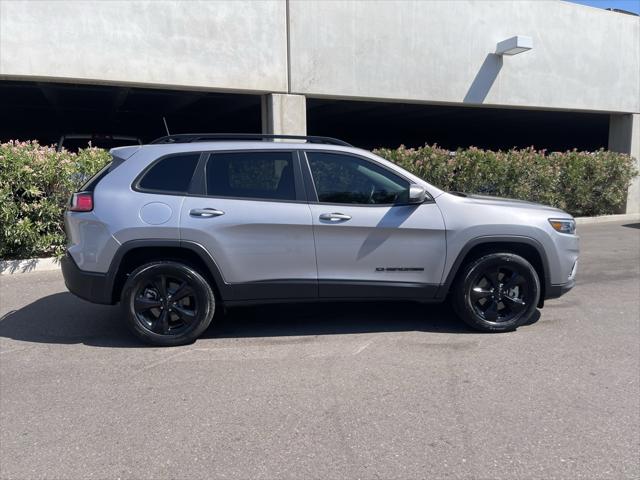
<point x="90" y="184"/>
<point x="171" y="174"/>
<point x="267" y="175"/>
<point x="347" y="179"/>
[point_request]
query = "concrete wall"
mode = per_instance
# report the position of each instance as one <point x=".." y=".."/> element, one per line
<point x="409" y="50"/>
<point x="441" y="51"/>
<point x="624" y="136"/>
<point x="239" y="45"/>
<point x="284" y="114"/>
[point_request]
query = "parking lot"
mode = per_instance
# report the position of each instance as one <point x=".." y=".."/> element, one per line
<point x="372" y="390"/>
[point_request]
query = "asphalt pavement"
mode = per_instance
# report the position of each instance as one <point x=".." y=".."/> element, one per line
<point x="391" y="391"/>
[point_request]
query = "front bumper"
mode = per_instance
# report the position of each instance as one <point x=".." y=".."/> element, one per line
<point x="91" y="286"/>
<point x="555" y="291"/>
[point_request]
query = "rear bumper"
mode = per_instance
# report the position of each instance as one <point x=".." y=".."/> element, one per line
<point x="91" y="286"/>
<point x="555" y="291"/>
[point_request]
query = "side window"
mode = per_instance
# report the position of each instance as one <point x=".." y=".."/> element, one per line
<point x="346" y="179"/>
<point x="267" y="175"/>
<point x="171" y="174"/>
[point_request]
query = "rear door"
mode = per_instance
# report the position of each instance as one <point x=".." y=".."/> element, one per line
<point x="252" y="217"/>
<point x="369" y="241"/>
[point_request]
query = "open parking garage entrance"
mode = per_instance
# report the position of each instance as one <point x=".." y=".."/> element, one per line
<point x="376" y="124"/>
<point x="46" y="111"/>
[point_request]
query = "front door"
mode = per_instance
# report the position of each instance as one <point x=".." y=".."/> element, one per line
<point x="369" y="240"/>
<point x="255" y="223"/>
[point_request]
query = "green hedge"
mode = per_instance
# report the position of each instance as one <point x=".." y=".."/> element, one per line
<point x="35" y="185"/>
<point x="36" y="182"/>
<point x="582" y="183"/>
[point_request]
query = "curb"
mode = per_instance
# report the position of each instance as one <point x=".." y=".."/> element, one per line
<point x="14" y="267"/>
<point x="625" y="217"/>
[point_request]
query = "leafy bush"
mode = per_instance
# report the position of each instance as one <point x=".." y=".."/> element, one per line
<point x="582" y="183"/>
<point x="36" y="182"/>
<point x="35" y="185"/>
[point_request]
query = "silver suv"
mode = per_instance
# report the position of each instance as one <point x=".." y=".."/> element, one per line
<point x="179" y="228"/>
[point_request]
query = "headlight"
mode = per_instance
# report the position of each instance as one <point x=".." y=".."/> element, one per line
<point x="563" y="225"/>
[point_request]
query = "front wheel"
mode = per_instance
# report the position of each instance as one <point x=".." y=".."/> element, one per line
<point x="167" y="303"/>
<point x="497" y="292"/>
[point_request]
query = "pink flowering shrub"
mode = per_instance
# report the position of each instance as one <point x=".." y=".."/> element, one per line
<point x="36" y="182"/>
<point x="582" y="183"/>
<point x="35" y="185"/>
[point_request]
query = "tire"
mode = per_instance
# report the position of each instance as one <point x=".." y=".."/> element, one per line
<point x="167" y="303"/>
<point x="496" y="293"/>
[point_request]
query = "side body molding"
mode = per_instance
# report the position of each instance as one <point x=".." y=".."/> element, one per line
<point x="232" y="293"/>
<point x="229" y="292"/>
<point x="265" y="291"/>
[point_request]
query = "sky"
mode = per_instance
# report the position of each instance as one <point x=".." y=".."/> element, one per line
<point x="629" y="5"/>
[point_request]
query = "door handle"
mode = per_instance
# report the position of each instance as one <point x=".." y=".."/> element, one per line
<point x="335" y="217"/>
<point x="205" y="212"/>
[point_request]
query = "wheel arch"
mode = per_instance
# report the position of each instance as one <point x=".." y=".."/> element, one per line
<point x="528" y="248"/>
<point x="135" y="253"/>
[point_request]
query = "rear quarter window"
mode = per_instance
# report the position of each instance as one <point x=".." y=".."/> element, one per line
<point x="90" y="185"/>
<point x="170" y="175"/>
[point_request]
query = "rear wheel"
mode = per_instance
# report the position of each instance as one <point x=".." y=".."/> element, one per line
<point x="497" y="292"/>
<point x="167" y="303"/>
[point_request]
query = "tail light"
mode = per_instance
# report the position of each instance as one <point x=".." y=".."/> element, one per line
<point x="81" y="202"/>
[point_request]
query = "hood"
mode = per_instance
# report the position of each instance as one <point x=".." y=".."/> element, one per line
<point x="507" y="202"/>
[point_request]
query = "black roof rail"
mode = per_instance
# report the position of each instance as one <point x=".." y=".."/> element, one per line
<point x="219" y="137"/>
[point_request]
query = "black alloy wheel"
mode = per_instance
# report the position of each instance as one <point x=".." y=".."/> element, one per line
<point x="165" y="305"/>
<point x="497" y="292"/>
<point x="168" y="303"/>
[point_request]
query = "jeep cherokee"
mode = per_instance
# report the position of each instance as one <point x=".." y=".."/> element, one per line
<point x="176" y="229"/>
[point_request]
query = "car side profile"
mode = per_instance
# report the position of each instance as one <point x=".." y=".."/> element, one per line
<point x="181" y="228"/>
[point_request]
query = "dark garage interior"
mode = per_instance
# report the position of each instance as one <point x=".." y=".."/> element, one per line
<point x="45" y="111"/>
<point x="374" y="124"/>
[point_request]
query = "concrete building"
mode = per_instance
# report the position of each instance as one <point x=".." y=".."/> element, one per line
<point x="375" y="74"/>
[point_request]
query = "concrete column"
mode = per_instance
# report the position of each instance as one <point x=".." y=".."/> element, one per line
<point x="284" y="114"/>
<point x="624" y="137"/>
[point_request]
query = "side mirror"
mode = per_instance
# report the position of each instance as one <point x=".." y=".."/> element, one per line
<point x="417" y="194"/>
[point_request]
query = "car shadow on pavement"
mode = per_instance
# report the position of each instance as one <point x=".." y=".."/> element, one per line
<point x="334" y="318"/>
<point x="62" y="318"/>
<point x="632" y="225"/>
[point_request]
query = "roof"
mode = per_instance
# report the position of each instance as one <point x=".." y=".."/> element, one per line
<point x="217" y="137"/>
